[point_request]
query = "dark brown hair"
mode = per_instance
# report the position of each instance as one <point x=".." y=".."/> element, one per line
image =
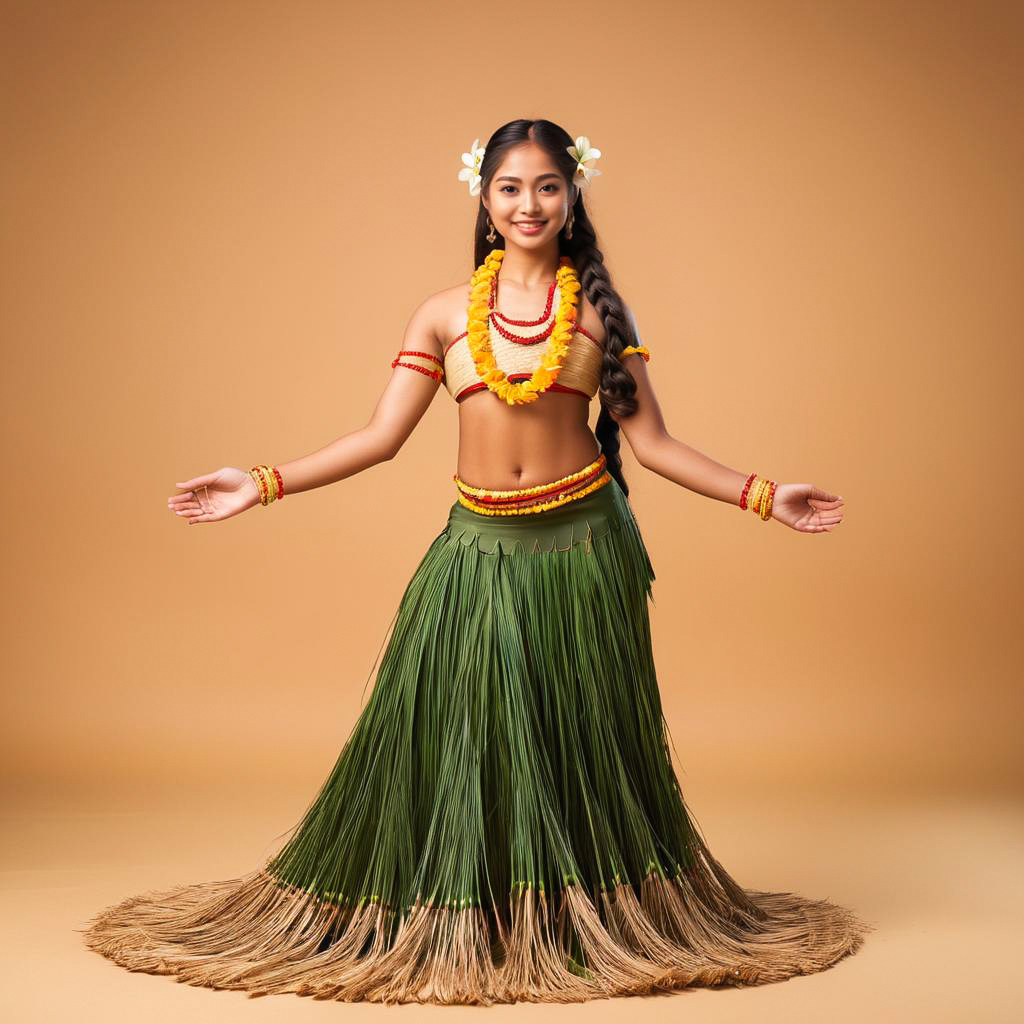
<point x="618" y="389"/>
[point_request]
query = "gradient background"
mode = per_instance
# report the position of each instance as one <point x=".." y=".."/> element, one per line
<point x="218" y="218"/>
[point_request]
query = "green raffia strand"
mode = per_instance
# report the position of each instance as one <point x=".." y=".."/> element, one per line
<point x="515" y="732"/>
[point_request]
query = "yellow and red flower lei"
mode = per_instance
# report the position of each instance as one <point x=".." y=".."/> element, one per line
<point x="479" y="340"/>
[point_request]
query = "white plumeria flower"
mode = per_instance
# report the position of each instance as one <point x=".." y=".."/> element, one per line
<point x="581" y="153"/>
<point x="471" y="172"/>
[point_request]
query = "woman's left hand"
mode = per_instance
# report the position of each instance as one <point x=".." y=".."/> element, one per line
<point x="807" y="508"/>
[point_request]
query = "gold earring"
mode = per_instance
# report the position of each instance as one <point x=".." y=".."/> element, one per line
<point x="568" y="225"/>
<point x="490" y="234"/>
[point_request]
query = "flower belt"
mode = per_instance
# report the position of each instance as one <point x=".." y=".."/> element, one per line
<point x="524" y="500"/>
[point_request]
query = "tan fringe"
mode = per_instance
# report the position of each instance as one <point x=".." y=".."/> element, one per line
<point x="258" y="935"/>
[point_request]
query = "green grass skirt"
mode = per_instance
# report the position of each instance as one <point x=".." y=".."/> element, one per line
<point x="504" y="822"/>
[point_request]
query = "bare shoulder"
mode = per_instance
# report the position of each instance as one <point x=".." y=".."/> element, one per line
<point x="430" y="325"/>
<point x="451" y="305"/>
<point x="588" y="318"/>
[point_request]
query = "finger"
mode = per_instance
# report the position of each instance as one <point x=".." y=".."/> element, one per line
<point x="198" y="481"/>
<point x="198" y="498"/>
<point x="206" y="517"/>
<point x="821" y="494"/>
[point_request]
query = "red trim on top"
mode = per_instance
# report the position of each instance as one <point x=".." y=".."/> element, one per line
<point x="455" y="339"/>
<point x="587" y="334"/>
<point x="554" y="386"/>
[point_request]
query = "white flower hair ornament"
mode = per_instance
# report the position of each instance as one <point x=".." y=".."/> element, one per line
<point x="583" y="153"/>
<point x="471" y="172"/>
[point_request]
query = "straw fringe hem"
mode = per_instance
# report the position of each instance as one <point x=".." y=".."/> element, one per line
<point x="258" y="935"/>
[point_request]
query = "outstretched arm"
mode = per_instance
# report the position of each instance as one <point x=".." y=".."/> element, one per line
<point x="228" y="491"/>
<point x="804" y="507"/>
<point x="399" y="409"/>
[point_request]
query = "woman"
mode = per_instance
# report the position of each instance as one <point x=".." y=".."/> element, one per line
<point x="504" y="822"/>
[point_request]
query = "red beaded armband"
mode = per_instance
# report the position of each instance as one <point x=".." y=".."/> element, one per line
<point x="437" y="374"/>
<point x="424" y="355"/>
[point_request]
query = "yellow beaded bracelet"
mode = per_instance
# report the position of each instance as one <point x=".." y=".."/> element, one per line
<point x="266" y="483"/>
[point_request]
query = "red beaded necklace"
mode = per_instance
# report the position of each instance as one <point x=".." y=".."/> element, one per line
<point x="495" y="317"/>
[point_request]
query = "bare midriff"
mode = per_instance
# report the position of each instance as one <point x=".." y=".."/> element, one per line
<point x="503" y="447"/>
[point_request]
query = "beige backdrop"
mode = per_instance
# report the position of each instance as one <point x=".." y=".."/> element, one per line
<point x="218" y="218"/>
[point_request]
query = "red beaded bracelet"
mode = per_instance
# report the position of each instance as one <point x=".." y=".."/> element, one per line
<point x="746" y="488"/>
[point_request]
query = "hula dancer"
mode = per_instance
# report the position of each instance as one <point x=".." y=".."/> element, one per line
<point x="504" y="822"/>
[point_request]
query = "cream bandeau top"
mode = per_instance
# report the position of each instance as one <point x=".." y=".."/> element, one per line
<point x="581" y="368"/>
<point x="517" y="359"/>
<point x="580" y="373"/>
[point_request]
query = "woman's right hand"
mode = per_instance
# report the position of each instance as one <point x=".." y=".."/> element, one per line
<point x="215" y="496"/>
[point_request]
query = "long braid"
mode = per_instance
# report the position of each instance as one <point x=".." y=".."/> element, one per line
<point x="618" y="389"/>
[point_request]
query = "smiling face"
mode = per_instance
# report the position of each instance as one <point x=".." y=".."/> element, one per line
<point x="528" y="198"/>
